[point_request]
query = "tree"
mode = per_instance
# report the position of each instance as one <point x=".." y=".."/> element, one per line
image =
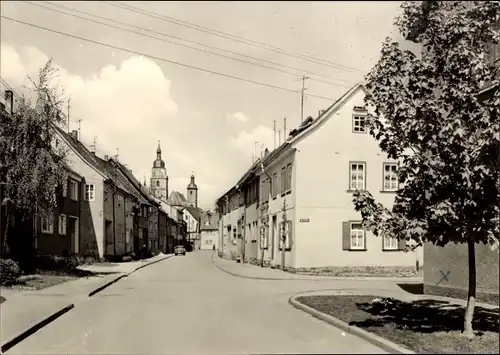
<point x="264" y="230"/>
<point x="33" y="163"/>
<point x="425" y="113"/>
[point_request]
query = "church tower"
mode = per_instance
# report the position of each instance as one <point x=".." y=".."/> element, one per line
<point x="192" y="193"/>
<point x="159" y="178"/>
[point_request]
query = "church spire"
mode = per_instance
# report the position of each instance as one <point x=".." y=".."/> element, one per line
<point x="158" y="151"/>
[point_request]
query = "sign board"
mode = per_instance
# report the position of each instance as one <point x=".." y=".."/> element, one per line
<point x="304" y="220"/>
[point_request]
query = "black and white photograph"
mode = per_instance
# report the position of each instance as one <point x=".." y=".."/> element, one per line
<point x="249" y="177"/>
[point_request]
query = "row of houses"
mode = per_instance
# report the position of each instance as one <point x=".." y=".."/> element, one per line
<point x="102" y="210"/>
<point x="303" y="189"/>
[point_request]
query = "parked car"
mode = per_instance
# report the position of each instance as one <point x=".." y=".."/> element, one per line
<point x="180" y="250"/>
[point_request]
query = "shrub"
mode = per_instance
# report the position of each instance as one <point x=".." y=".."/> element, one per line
<point x="9" y="272"/>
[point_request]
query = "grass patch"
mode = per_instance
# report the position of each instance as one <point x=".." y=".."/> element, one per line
<point x="425" y="326"/>
<point x="39" y="282"/>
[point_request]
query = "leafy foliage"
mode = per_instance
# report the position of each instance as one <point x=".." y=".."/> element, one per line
<point x="9" y="272"/>
<point x="427" y="115"/>
<point x="33" y="162"/>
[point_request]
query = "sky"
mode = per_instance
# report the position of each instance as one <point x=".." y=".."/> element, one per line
<point x="207" y="121"/>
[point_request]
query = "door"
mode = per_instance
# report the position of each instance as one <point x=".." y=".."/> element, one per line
<point x="73" y="234"/>
<point x="274" y="235"/>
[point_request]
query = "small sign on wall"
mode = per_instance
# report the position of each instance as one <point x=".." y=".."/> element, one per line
<point x="304" y="220"/>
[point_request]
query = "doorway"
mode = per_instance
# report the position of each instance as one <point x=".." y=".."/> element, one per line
<point x="73" y="234"/>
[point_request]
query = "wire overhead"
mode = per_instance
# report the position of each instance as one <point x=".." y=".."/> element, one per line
<point x="202" y="45"/>
<point x="233" y="37"/>
<point x="164" y="40"/>
<point x="162" y="59"/>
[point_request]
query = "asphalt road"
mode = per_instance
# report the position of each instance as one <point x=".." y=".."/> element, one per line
<point x="185" y="305"/>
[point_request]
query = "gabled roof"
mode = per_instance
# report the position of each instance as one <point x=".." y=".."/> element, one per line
<point x="81" y="151"/>
<point x="124" y="181"/>
<point x="114" y="175"/>
<point x="144" y="198"/>
<point x="313" y="124"/>
<point x="211" y="219"/>
<point x="295" y="135"/>
<point x="195" y="212"/>
<point x="176" y="199"/>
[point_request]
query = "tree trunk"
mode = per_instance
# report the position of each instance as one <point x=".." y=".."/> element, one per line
<point x="471" y="301"/>
<point x="6" y="230"/>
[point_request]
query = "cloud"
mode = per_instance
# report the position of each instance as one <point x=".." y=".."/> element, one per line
<point x="237" y="117"/>
<point x="244" y="141"/>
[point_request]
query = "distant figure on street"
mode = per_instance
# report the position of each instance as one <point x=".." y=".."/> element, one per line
<point x="213" y="247"/>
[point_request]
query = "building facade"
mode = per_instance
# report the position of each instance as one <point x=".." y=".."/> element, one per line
<point x="294" y="205"/>
<point x="209" y="231"/>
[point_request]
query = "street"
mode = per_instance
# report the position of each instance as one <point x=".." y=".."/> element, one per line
<point x="185" y="305"/>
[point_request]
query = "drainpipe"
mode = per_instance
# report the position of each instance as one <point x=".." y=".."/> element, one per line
<point x="271" y="192"/>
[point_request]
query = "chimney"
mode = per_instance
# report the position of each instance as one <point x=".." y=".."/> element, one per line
<point x="74" y="134"/>
<point x="9" y="101"/>
<point x="106" y="157"/>
<point x="266" y="152"/>
<point x="320" y="112"/>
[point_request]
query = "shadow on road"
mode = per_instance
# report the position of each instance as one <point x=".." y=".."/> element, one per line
<point x="426" y="316"/>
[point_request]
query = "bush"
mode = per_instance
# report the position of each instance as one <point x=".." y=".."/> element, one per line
<point x="9" y="272"/>
<point x="56" y="263"/>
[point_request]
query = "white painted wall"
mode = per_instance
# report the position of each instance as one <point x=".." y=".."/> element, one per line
<point x="209" y="239"/>
<point x="322" y="197"/>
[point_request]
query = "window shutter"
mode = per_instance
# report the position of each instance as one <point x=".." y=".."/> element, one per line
<point x="401" y="244"/>
<point x="346" y="236"/>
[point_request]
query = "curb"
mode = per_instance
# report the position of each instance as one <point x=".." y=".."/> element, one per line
<point x="332" y="278"/>
<point x="33" y="329"/>
<point x="374" y="339"/>
<point x="109" y="283"/>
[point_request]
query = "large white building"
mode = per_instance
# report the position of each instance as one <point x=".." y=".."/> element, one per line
<point x="303" y="189"/>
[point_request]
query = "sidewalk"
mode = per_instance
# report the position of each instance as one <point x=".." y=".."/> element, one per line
<point x="26" y="311"/>
<point x="255" y="272"/>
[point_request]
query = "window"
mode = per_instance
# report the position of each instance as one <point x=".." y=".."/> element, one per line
<point x="73" y="190"/>
<point x="65" y="188"/>
<point x="288" y="177"/>
<point x="283" y="180"/>
<point x="208" y="241"/>
<point x="157" y="183"/>
<point x="391" y="243"/>
<point x="357" y="236"/>
<point x="62" y="224"/>
<point x="358" y="123"/>
<point x="390" y="177"/>
<point x="274" y="188"/>
<point x="357" y="176"/>
<point x="47" y="223"/>
<point x="120" y="200"/>
<point x="89" y="192"/>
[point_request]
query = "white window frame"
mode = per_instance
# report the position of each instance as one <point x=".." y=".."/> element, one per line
<point x="73" y="190"/>
<point x="391" y="243"/>
<point x="89" y="192"/>
<point x="355" y="184"/>
<point x="65" y="188"/>
<point x="49" y="219"/>
<point x="62" y="224"/>
<point x="359" y="123"/>
<point x="357" y="235"/>
<point x="392" y="175"/>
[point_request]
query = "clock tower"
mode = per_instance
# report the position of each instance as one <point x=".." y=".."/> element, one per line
<point x="159" y="178"/>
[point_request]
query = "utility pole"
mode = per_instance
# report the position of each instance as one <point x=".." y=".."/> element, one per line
<point x="116" y="156"/>
<point x="68" y="112"/>
<point x="255" y="150"/>
<point x="302" y="97"/>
